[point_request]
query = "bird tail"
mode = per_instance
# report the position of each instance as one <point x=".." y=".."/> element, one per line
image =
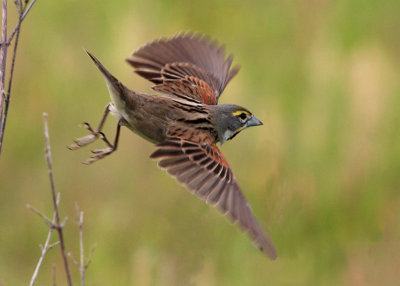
<point x="104" y="71"/>
<point x="118" y="91"/>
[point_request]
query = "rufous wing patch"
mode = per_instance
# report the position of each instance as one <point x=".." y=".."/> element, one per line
<point x="189" y="88"/>
<point x="201" y="167"/>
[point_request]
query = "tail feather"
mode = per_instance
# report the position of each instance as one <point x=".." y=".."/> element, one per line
<point x="108" y="76"/>
<point x="119" y="93"/>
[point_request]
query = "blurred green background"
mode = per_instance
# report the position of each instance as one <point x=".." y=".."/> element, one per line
<point x="322" y="173"/>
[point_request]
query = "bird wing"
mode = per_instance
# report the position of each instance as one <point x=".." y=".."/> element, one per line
<point x="185" y="56"/>
<point x="190" y="88"/>
<point x="201" y="167"/>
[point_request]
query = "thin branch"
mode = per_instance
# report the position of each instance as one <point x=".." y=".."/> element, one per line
<point x="54" y="244"/>
<point x="90" y="256"/>
<point x="55" y="223"/>
<point x="70" y="255"/>
<point x="82" y="266"/>
<point x="81" y="249"/>
<point x="53" y="192"/>
<point x="14" y="55"/>
<point x="18" y="4"/>
<point x="47" y="246"/>
<point x="18" y="26"/>
<point x="23" y="10"/>
<point x="3" y="60"/>
<point x="49" y="223"/>
<point x="3" y="55"/>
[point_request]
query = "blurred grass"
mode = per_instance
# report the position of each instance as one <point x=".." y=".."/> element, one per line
<point x="323" y="76"/>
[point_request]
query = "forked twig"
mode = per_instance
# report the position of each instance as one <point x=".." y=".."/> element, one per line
<point x="23" y="10"/>
<point x="58" y="226"/>
<point x="3" y="59"/>
<point x="55" y="223"/>
<point x="21" y="19"/>
<point x="47" y="246"/>
<point x="82" y="266"/>
<point x="20" y="9"/>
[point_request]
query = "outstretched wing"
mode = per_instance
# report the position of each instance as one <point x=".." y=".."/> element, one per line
<point x="183" y="59"/>
<point x="203" y="169"/>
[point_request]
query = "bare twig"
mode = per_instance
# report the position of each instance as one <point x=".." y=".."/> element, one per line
<point x="54" y="244"/>
<point x="45" y="218"/>
<point x="23" y="10"/>
<point x="82" y="266"/>
<point x="81" y="249"/>
<point x="14" y="55"/>
<point x="55" y="223"/>
<point x="70" y="255"/>
<point x="58" y="226"/>
<point x="3" y="59"/>
<point x="47" y="246"/>
<point x="18" y="26"/>
<point x="18" y="4"/>
<point x="90" y="256"/>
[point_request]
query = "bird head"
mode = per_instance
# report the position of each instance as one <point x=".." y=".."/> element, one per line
<point x="230" y="119"/>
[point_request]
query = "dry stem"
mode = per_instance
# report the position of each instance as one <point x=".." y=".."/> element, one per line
<point x="23" y="10"/>
<point x="47" y="246"/>
<point x="3" y="58"/>
<point x="82" y="266"/>
<point x="57" y="224"/>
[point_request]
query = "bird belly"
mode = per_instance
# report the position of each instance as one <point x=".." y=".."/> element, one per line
<point x="150" y="128"/>
<point x="115" y="112"/>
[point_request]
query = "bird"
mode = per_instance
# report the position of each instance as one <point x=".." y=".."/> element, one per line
<point x="184" y="121"/>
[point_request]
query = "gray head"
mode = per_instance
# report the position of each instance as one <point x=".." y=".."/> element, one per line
<point x="230" y="119"/>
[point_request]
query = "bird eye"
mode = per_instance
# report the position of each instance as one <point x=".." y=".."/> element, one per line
<point x="242" y="116"/>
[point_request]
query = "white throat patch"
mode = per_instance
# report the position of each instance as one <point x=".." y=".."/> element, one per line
<point x="227" y="135"/>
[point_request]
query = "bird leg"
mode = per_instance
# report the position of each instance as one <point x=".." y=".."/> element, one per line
<point x="101" y="153"/>
<point x="94" y="134"/>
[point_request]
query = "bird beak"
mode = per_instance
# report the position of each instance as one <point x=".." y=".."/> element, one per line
<point x="254" y="121"/>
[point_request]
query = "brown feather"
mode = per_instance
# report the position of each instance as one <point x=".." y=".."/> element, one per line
<point x="207" y="174"/>
<point x="194" y="69"/>
<point x="184" y="55"/>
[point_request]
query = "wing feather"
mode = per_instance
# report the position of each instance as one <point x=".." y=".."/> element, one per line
<point x="203" y="169"/>
<point x="185" y="55"/>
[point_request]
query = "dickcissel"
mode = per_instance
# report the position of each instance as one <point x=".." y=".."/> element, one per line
<point x="186" y="121"/>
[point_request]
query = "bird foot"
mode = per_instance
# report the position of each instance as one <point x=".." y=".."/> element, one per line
<point x="85" y="140"/>
<point x="99" y="154"/>
<point x="96" y="134"/>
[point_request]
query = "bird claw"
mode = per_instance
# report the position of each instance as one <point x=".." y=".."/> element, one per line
<point x="96" y="134"/>
<point x="88" y="127"/>
<point x="99" y="154"/>
<point x="104" y="151"/>
<point x="83" y="141"/>
<point x="104" y="138"/>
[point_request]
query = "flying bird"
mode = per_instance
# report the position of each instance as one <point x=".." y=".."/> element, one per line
<point x="185" y="121"/>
